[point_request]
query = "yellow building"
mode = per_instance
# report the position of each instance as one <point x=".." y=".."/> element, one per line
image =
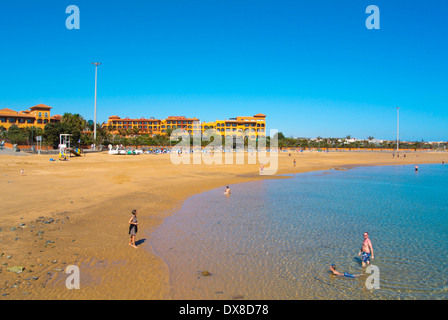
<point x="151" y="126"/>
<point x="255" y="126"/>
<point x="37" y="116"/>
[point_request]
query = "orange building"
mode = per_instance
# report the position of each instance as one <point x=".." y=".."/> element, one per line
<point x="255" y="125"/>
<point x="151" y="126"/>
<point x="191" y="125"/>
<point x="37" y="116"/>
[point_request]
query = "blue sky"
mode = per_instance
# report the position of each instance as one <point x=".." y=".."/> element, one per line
<point x="311" y="66"/>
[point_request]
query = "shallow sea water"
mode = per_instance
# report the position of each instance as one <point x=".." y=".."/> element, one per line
<point x="275" y="239"/>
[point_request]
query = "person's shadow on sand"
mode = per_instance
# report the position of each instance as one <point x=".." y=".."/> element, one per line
<point x="139" y="242"/>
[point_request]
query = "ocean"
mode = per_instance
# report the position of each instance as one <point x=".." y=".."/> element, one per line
<point x="275" y="239"/>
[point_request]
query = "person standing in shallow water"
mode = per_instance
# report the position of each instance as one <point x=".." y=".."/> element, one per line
<point x="366" y="251"/>
<point x="133" y="228"/>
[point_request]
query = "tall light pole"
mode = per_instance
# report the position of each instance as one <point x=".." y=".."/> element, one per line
<point x="398" y="127"/>
<point x="96" y="64"/>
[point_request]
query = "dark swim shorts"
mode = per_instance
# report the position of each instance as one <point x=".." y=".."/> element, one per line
<point x="348" y="275"/>
<point x="365" y="257"/>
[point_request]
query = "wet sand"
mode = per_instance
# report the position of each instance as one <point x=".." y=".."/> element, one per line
<point x="76" y="213"/>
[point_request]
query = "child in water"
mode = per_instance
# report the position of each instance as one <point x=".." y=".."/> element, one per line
<point x="345" y="274"/>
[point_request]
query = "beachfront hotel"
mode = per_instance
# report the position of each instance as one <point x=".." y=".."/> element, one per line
<point x="256" y="125"/>
<point x="151" y="126"/>
<point x="37" y="116"/>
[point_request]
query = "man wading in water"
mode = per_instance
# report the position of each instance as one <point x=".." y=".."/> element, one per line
<point x="366" y="251"/>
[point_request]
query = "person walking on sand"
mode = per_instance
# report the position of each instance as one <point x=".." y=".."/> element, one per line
<point x="294" y="162"/>
<point x="366" y="251"/>
<point x="261" y="168"/>
<point x="133" y="228"/>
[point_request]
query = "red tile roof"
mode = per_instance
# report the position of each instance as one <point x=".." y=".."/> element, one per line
<point x="40" y="107"/>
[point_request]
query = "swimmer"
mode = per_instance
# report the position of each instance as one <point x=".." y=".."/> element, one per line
<point x="416" y="168"/>
<point x="227" y="191"/>
<point x="345" y="274"/>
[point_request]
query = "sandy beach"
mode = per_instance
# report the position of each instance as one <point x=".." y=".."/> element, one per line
<point x="76" y="213"/>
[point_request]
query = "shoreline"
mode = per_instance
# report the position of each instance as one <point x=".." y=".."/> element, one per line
<point x="99" y="207"/>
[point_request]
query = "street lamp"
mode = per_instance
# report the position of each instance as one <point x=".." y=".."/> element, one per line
<point x="398" y="126"/>
<point x="96" y="64"/>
